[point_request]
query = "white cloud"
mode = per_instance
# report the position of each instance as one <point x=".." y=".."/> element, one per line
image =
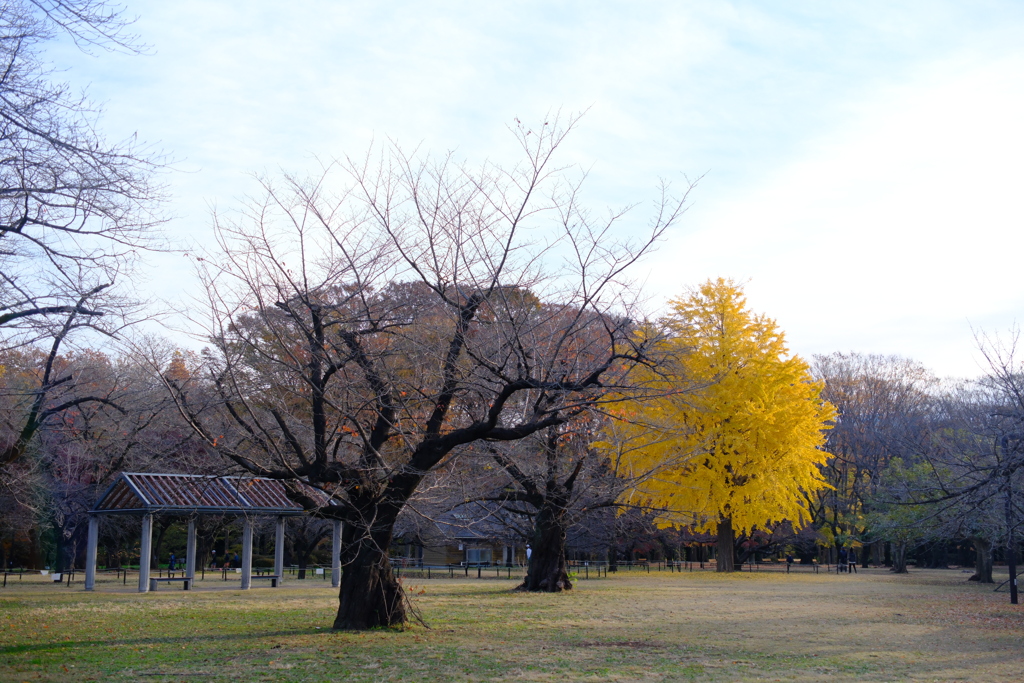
<point x="891" y="233"/>
<point x="862" y="155"/>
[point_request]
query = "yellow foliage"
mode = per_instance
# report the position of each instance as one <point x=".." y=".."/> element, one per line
<point x="739" y="421"/>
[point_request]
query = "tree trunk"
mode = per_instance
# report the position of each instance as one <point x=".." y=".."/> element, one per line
<point x="60" y="550"/>
<point x="35" y="552"/>
<point x="158" y="546"/>
<point x="548" y="570"/>
<point x="1011" y="546"/>
<point x="370" y="594"/>
<point x="899" y="557"/>
<point x="938" y="557"/>
<point x="726" y="542"/>
<point x="982" y="561"/>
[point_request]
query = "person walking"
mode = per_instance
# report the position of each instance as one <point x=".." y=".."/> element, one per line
<point x="841" y="567"/>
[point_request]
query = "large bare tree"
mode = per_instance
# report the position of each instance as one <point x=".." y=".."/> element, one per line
<point x="76" y="210"/>
<point x="368" y="324"/>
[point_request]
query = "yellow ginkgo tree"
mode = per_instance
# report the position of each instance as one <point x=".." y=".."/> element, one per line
<point x="738" y="418"/>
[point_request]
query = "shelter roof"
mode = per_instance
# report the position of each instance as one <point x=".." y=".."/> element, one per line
<point x="137" y="493"/>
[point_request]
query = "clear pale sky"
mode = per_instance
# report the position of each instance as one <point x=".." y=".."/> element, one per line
<point x="863" y="159"/>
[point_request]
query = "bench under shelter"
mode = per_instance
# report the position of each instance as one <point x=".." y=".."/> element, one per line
<point x="191" y="495"/>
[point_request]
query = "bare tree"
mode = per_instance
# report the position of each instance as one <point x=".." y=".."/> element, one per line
<point x="112" y="417"/>
<point x="884" y="406"/>
<point x="551" y="480"/>
<point x="40" y="395"/>
<point x="304" y="535"/>
<point x="965" y="477"/>
<point x="74" y="209"/>
<point x="977" y="471"/>
<point x="361" y="337"/>
<point x="560" y="477"/>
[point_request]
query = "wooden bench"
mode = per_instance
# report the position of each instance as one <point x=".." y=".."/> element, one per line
<point x="273" y="578"/>
<point x="153" y="583"/>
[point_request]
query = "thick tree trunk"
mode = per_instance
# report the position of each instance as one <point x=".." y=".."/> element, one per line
<point x="548" y="570"/>
<point x="370" y="594"/>
<point x="982" y="561"/>
<point x="726" y="543"/>
<point x="899" y="557"/>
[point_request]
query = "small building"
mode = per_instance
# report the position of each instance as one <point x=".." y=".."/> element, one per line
<point x="466" y="536"/>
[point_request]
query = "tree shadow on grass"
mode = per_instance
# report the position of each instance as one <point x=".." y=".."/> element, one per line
<point x="166" y="640"/>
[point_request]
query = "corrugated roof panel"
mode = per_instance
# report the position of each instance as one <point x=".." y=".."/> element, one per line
<point x="186" y="492"/>
<point x="120" y="497"/>
<point x="265" y="492"/>
<point x="150" y="486"/>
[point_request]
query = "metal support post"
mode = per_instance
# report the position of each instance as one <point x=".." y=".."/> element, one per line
<point x="90" y="553"/>
<point x="190" y="551"/>
<point x="279" y="551"/>
<point x="145" y="552"/>
<point x="246" y="553"/>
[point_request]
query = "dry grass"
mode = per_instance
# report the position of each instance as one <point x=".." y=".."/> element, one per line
<point x="928" y="626"/>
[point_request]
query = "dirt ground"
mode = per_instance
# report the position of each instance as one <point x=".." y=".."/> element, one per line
<point x="873" y="626"/>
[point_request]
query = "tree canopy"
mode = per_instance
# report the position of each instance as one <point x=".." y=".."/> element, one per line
<point x="740" y="421"/>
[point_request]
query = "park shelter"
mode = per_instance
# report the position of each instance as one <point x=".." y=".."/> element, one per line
<point x="190" y="495"/>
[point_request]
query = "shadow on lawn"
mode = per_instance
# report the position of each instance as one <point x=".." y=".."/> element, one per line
<point x="71" y="644"/>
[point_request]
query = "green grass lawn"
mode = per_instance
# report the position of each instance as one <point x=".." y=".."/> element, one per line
<point x="926" y="626"/>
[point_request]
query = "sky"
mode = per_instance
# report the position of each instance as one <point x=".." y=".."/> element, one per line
<point x="860" y="161"/>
